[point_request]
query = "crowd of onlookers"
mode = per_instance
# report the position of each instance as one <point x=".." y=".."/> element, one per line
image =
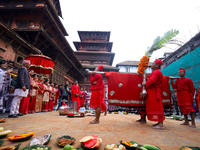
<point x="43" y="95"/>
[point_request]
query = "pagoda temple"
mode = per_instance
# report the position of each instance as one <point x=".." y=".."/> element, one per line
<point x="35" y="27"/>
<point x="93" y="50"/>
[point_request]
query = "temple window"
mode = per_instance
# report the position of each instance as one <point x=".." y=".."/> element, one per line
<point x="19" y="59"/>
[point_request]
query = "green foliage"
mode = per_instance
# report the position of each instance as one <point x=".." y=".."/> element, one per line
<point x="160" y="41"/>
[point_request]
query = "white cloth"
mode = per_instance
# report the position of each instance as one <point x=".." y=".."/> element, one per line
<point x="3" y="75"/>
<point x="20" y="92"/>
<point x="15" y="105"/>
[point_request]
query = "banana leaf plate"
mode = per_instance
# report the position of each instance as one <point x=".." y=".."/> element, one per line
<point x="2" y="136"/>
<point x="129" y="147"/>
<point x="110" y="144"/>
<point x="193" y="148"/>
<point x="17" y="146"/>
<point x="22" y="139"/>
<point x="42" y="139"/>
<point x="35" y="147"/>
<point x="1" y="142"/>
<point x="65" y="137"/>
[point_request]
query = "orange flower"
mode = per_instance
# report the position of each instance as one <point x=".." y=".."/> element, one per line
<point x="144" y="61"/>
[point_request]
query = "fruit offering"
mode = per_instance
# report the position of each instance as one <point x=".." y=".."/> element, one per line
<point x="65" y="140"/>
<point x="90" y="142"/>
<point x="115" y="147"/>
<point x="24" y="136"/>
<point x="150" y="147"/>
<point x="41" y="148"/>
<point x="68" y="147"/>
<point x="2" y="120"/>
<point x="4" y="133"/>
<point x="129" y="143"/>
<point x="41" y="140"/>
<point x="37" y="147"/>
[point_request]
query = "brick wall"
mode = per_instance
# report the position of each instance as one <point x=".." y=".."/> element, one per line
<point x="6" y="53"/>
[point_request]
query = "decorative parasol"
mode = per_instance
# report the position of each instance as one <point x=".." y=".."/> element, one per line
<point x="41" y="64"/>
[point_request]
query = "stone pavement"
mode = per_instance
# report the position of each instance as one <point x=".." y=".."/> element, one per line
<point x="112" y="129"/>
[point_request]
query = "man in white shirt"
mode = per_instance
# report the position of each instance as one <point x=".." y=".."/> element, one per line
<point x="21" y="90"/>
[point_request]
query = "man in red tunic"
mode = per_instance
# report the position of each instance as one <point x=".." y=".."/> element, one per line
<point x="154" y="107"/>
<point x="185" y="96"/>
<point x="75" y="92"/>
<point x="96" y="81"/>
<point x="197" y="99"/>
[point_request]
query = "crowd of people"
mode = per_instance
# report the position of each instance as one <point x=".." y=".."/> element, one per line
<point x="22" y="91"/>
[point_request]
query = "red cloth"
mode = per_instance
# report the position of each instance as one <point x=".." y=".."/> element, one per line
<point x="97" y="77"/>
<point x="82" y="98"/>
<point x="96" y="100"/>
<point x="159" y="62"/>
<point x="103" y="105"/>
<point x="124" y="89"/>
<point x="181" y="69"/>
<point x="75" y="89"/>
<point x="96" y="97"/>
<point x="32" y="104"/>
<point x="142" y="113"/>
<point x="24" y="105"/>
<point x="100" y="67"/>
<point x="50" y="107"/>
<point x="154" y="107"/>
<point x="165" y="92"/>
<point x="46" y="64"/>
<point x="41" y="87"/>
<point x="128" y="92"/>
<point x="57" y="91"/>
<point x="45" y="106"/>
<point x="185" y="94"/>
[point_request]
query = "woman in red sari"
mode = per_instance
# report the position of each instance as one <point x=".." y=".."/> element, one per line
<point x="82" y="97"/>
<point x="39" y="96"/>
<point x="24" y="104"/>
<point x="45" y="100"/>
<point x="51" y="96"/>
<point x="57" y="94"/>
<point x="33" y="93"/>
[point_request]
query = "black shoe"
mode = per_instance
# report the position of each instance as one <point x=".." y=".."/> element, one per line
<point x="19" y="114"/>
<point x="13" y="116"/>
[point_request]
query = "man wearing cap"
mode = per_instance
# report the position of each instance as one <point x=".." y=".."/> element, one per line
<point x="22" y="88"/>
<point x="96" y="81"/>
<point x="154" y="107"/>
<point x="185" y="96"/>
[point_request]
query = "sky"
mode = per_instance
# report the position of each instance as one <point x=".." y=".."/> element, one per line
<point x="134" y="24"/>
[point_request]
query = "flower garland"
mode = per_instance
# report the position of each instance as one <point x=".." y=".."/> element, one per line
<point x="143" y="64"/>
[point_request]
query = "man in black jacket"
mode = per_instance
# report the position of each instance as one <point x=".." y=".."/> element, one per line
<point x="21" y="89"/>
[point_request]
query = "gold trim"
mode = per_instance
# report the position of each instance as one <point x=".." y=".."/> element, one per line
<point x="42" y="67"/>
<point x="133" y="101"/>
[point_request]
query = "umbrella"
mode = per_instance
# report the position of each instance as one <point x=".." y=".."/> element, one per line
<point x="41" y="64"/>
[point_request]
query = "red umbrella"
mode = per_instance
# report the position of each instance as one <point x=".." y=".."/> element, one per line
<point x="41" y="64"/>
